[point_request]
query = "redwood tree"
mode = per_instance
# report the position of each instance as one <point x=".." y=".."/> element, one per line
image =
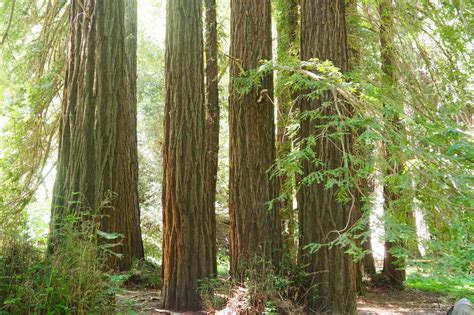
<point x="97" y="164"/>
<point x="212" y="119"/>
<point x="255" y="229"/>
<point x="187" y="244"/>
<point x="332" y="272"/>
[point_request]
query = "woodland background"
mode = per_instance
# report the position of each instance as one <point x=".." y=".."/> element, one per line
<point x="407" y="96"/>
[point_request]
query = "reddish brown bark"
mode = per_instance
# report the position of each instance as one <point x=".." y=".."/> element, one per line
<point x="332" y="272"/>
<point x="255" y="229"/>
<point x="212" y="120"/>
<point x="187" y="243"/>
<point x="98" y="143"/>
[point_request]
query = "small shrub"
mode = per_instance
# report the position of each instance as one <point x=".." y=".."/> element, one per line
<point x="70" y="280"/>
<point x="213" y="293"/>
<point x="144" y="273"/>
<point x="274" y="292"/>
<point x="264" y="291"/>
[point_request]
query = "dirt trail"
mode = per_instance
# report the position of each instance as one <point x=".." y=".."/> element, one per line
<point x="139" y="301"/>
<point x="375" y="301"/>
<point x="383" y="301"/>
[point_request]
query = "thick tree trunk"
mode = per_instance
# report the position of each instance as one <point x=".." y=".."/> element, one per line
<point x="212" y="120"/>
<point x="287" y="47"/>
<point x="255" y="230"/>
<point x="98" y="143"/>
<point x="187" y="241"/>
<point x="323" y="35"/>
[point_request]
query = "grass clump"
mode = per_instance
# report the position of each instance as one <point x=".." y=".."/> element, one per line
<point x="453" y="286"/>
<point x="213" y="293"/>
<point x="71" y="280"/>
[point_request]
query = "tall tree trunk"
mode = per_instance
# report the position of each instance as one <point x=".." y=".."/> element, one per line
<point x="187" y="241"/>
<point x="287" y="48"/>
<point x="393" y="268"/>
<point x="132" y="240"/>
<point x="255" y="230"/>
<point x="212" y="120"/>
<point x="98" y="143"/>
<point x="323" y="35"/>
<point x="367" y="264"/>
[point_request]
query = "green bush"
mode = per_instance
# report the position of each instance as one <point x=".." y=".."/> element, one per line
<point x="69" y="281"/>
<point x="452" y="286"/>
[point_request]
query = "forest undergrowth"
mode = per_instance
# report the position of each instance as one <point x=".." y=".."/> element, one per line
<point x="33" y="282"/>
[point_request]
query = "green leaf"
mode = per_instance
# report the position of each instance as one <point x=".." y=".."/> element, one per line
<point x="109" y="236"/>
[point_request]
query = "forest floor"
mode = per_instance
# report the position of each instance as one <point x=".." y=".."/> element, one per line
<point x="408" y="301"/>
<point x="138" y="300"/>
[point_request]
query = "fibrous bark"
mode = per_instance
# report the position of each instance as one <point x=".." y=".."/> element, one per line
<point x="212" y="120"/>
<point x="255" y="229"/>
<point x="331" y="270"/>
<point x="97" y="163"/>
<point x="187" y="241"/>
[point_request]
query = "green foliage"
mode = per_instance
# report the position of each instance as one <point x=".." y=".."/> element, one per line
<point x="310" y="80"/>
<point x="222" y="263"/>
<point x="451" y="248"/>
<point x="70" y="280"/>
<point x="454" y="286"/>
<point x="432" y="139"/>
<point x="31" y="77"/>
<point x="434" y="147"/>
<point x="150" y="103"/>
